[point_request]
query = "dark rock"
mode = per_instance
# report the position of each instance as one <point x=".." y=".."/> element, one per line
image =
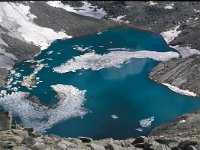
<point x="28" y="141"/>
<point x="140" y="139"/>
<point x="143" y="145"/>
<point x="85" y="139"/>
<point x="5" y="121"/>
<point x="169" y="142"/>
<point x="9" y="144"/>
<point x="15" y="126"/>
<point x="186" y="144"/>
<point x="29" y="129"/>
<point x="34" y="134"/>
<point x="109" y="147"/>
<point x="190" y="147"/>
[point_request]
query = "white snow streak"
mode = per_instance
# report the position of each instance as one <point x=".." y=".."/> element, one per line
<point x="180" y="91"/>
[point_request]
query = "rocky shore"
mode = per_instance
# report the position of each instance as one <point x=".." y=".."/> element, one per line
<point x="182" y="73"/>
<point x="17" y="138"/>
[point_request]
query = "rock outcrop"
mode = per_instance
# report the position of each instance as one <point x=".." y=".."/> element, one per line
<point x="5" y="121"/>
<point x="186" y="125"/>
<point x="182" y="73"/>
<point x="18" y="138"/>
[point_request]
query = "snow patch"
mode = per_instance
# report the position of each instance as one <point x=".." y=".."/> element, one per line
<point x="40" y="117"/>
<point x="180" y="91"/>
<point x="169" y="6"/>
<point x="86" y="10"/>
<point x="118" y="19"/>
<point x="196" y="10"/>
<point x="6" y="62"/>
<point x="151" y="3"/>
<point x="186" y="51"/>
<point x="18" y="20"/>
<point x="113" y="59"/>
<point x="171" y="34"/>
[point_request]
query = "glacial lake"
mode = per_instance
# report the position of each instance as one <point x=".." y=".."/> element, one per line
<point x="112" y="99"/>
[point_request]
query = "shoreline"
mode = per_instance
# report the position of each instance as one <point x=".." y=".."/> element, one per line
<point x="115" y="25"/>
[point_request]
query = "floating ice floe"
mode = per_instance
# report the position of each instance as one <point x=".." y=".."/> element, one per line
<point x="17" y="19"/>
<point x="40" y="117"/>
<point x="118" y="49"/>
<point x="113" y="59"/>
<point x="49" y="52"/>
<point x="114" y="116"/>
<point x="146" y="122"/>
<point x="180" y="91"/>
<point x="81" y="48"/>
<point x="86" y="10"/>
<point x="139" y="129"/>
<point x="31" y="80"/>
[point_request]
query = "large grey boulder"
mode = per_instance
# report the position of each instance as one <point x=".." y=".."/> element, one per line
<point x="5" y="121"/>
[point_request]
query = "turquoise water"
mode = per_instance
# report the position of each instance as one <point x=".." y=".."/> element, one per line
<point x="126" y="92"/>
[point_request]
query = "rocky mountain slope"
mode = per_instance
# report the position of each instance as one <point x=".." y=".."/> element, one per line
<point x="28" y="27"/>
<point x="183" y="73"/>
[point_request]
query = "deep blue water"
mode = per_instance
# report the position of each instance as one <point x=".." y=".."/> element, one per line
<point x="126" y="92"/>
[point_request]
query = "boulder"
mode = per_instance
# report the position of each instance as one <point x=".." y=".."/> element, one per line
<point x="85" y="139"/>
<point x="5" y="121"/>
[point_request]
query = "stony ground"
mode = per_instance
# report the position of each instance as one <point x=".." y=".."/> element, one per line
<point x="25" y="139"/>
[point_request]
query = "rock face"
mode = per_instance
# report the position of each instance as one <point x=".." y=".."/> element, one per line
<point x="5" y="121"/>
<point x="182" y="73"/>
